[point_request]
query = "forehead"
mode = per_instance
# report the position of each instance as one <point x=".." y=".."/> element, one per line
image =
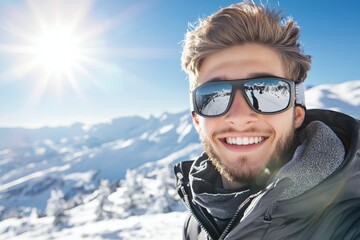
<point x="240" y="62"/>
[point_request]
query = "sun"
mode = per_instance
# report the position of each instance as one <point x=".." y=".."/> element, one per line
<point x="61" y="49"/>
<point x="60" y="56"/>
<point x="57" y="50"/>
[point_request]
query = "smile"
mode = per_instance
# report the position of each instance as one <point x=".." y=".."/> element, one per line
<point x="244" y="140"/>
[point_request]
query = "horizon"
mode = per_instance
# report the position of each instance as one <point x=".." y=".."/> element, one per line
<point x="323" y="98"/>
<point x="66" y="62"/>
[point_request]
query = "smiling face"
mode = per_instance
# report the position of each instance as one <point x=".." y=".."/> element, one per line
<point x="244" y="145"/>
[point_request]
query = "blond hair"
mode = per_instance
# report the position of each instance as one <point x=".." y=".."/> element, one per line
<point x="245" y="23"/>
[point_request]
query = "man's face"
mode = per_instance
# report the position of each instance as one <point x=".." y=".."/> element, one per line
<point x="265" y="138"/>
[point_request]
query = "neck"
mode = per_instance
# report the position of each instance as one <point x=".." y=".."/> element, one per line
<point x="231" y="185"/>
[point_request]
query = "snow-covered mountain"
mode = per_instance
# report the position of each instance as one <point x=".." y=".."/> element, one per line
<point x="103" y="181"/>
<point x="343" y="97"/>
<point x="75" y="158"/>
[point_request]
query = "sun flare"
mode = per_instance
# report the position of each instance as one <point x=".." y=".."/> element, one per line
<point x="57" y="50"/>
<point x="61" y="49"/>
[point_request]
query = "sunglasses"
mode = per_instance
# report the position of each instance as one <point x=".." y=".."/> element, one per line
<point x="265" y="95"/>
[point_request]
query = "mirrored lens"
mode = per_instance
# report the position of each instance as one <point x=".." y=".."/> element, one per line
<point x="268" y="95"/>
<point x="213" y="99"/>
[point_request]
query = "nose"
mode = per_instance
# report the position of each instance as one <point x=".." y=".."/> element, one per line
<point x="240" y="113"/>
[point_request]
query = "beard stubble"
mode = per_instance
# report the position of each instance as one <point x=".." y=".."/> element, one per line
<point x="281" y="155"/>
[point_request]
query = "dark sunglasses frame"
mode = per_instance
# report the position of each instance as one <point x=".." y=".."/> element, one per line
<point x="296" y="88"/>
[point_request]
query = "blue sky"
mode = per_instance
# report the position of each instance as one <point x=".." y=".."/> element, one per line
<point x="119" y="58"/>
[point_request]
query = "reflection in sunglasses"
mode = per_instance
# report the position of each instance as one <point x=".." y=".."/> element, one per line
<point x="263" y="96"/>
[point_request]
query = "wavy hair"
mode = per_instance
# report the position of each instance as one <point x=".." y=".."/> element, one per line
<point x="240" y="24"/>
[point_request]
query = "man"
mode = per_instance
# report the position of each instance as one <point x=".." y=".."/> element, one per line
<point x="271" y="169"/>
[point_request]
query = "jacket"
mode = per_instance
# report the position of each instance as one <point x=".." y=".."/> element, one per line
<point x="328" y="210"/>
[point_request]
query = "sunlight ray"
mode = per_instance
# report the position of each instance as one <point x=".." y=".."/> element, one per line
<point x="20" y="71"/>
<point x="85" y="72"/>
<point x="14" y="48"/>
<point x="38" y="91"/>
<point x="48" y="9"/>
<point x="75" y="86"/>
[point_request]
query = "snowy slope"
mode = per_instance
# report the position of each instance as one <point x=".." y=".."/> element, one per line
<point x="343" y="97"/>
<point x="58" y="174"/>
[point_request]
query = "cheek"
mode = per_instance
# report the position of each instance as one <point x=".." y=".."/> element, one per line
<point x="282" y="123"/>
<point x="206" y="127"/>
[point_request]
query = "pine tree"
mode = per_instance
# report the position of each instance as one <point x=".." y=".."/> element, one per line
<point x="164" y="199"/>
<point x="56" y="206"/>
<point x="103" y="210"/>
<point x="34" y="213"/>
<point x="133" y="194"/>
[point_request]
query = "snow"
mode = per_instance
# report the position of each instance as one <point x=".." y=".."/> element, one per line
<point x="122" y="144"/>
<point x="82" y="177"/>
<point x="33" y="176"/>
<point x="267" y="101"/>
<point x="112" y="180"/>
<point x="344" y="97"/>
<point x="184" y="128"/>
<point x="152" y="227"/>
<point x="166" y="128"/>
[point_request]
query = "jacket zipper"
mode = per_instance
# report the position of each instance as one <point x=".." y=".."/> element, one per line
<point x="238" y="214"/>
<point x="202" y="221"/>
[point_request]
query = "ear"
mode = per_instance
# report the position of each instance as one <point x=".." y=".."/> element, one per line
<point x="195" y="119"/>
<point x="299" y="116"/>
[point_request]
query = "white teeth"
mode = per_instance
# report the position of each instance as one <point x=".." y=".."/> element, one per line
<point x="244" y="140"/>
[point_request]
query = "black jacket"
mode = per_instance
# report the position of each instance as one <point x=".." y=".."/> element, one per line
<point x="330" y="210"/>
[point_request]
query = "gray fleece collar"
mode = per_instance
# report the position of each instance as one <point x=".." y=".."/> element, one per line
<point x="320" y="153"/>
<point x="208" y="192"/>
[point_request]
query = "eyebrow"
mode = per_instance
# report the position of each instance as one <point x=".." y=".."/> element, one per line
<point x="252" y="75"/>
